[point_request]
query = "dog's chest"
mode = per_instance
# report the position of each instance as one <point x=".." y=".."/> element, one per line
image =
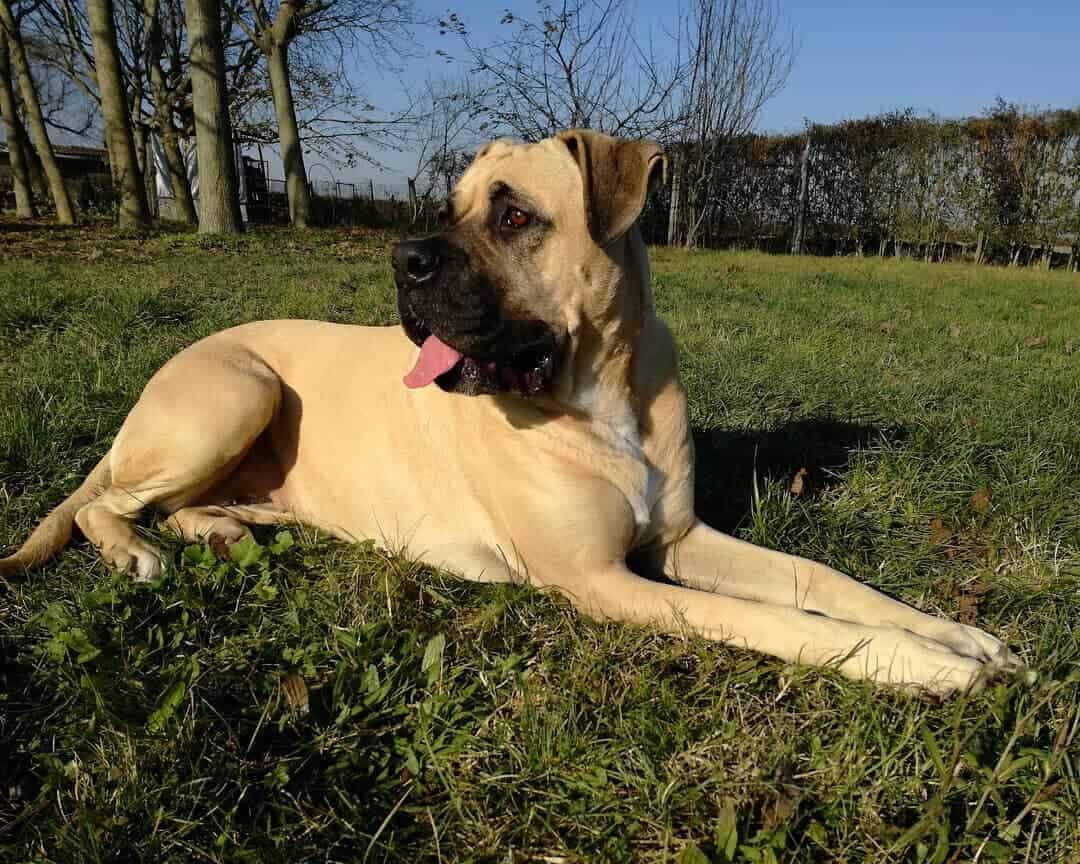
<point x="640" y="480"/>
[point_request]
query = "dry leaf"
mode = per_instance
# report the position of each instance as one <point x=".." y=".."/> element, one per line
<point x="980" y="499"/>
<point x="296" y="692"/>
<point x="954" y="331"/>
<point x="888" y="328"/>
<point x="780" y="809"/>
<point x="968" y="612"/>
<point x="971" y="421"/>
<point x="1038" y="342"/>
<point x="939" y="534"/>
<point x="799" y="484"/>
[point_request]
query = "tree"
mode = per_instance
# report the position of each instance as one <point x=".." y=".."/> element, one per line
<point x="118" y="132"/>
<point x="164" y="37"/>
<point x="9" y="28"/>
<point x="273" y="29"/>
<point x="443" y="134"/>
<point x="20" y="166"/>
<point x="219" y="206"/>
<point x="737" y="61"/>
<point x="576" y="63"/>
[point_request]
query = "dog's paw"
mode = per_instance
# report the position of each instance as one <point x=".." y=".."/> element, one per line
<point x="137" y="559"/>
<point x="977" y="644"/>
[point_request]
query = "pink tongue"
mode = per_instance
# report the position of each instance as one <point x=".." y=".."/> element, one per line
<point x="435" y="358"/>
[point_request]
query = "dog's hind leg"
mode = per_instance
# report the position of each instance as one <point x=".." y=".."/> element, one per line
<point x="221" y="526"/>
<point x="191" y="427"/>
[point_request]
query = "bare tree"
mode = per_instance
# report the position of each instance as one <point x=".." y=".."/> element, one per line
<point x="118" y="131"/>
<point x="738" y="60"/>
<point x="169" y="79"/>
<point x="445" y="130"/>
<point x="9" y="29"/>
<point x="219" y="206"/>
<point x="274" y="26"/>
<point x="20" y="166"/>
<point x="575" y="63"/>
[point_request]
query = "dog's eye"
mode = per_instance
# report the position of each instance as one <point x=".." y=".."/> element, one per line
<point x="515" y="218"/>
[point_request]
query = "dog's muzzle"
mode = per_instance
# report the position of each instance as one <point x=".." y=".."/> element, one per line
<point x="467" y="345"/>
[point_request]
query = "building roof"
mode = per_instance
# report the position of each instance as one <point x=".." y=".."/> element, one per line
<point x="72" y="152"/>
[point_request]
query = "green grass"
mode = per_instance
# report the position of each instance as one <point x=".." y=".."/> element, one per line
<point x="935" y="408"/>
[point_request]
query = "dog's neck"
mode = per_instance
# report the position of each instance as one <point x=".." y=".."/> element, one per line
<point x="602" y="377"/>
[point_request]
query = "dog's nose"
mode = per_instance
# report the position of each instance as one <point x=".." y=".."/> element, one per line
<point x="416" y="260"/>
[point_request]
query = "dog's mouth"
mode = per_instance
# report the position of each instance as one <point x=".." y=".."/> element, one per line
<point x="529" y="370"/>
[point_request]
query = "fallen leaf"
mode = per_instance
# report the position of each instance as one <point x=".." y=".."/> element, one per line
<point x="888" y="328"/>
<point x="782" y="806"/>
<point x="971" y="421"/>
<point x="798" y="485"/>
<point x="1038" y="342"/>
<point x="954" y="331"/>
<point x="939" y="534"/>
<point x="980" y="499"/>
<point x="968" y="612"/>
<point x="296" y="692"/>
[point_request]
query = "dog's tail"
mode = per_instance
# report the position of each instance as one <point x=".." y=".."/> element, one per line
<point x="55" y="529"/>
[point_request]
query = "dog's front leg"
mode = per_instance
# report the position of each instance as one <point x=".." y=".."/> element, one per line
<point x="711" y="561"/>
<point x="886" y="654"/>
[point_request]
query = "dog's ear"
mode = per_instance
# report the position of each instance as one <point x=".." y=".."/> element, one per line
<point x="617" y="175"/>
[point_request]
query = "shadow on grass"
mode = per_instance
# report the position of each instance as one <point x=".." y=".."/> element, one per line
<point x="728" y="459"/>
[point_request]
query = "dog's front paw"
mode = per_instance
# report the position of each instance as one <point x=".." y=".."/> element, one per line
<point x="979" y="645"/>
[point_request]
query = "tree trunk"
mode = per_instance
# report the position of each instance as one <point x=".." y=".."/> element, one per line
<point x="177" y="168"/>
<point x="800" y="211"/>
<point x="150" y="178"/>
<point x="118" y="132"/>
<point x="292" y="154"/>
<point x="219" y="206"/>
<point x="693" y="225"/>
<point x="39" y="183"/>
<point x="65" y="215"/>
<point x="175" y="164"/>
<point x="980" y="248"/>
<point x="676" y="200"/>
<point x="20" y="168"/>
<point x="413" y="206"/>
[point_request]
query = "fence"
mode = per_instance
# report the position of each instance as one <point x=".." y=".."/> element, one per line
<point x="1002" y="188"/>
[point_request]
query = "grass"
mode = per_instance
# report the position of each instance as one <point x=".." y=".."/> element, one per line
<point x="312" y="701"/>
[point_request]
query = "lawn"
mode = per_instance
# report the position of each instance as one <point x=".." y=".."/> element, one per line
<point x="915" y="425"/>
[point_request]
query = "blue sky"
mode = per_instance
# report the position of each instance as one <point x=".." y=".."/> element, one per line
<point x="860" y="58"/>
<point x="855" y="59"/>
<point x="952" y="58"/>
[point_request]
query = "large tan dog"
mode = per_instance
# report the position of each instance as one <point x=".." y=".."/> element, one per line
<point x="540" y="434"/>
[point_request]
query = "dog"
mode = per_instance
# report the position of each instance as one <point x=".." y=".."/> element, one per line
<point x="525" y="422"/>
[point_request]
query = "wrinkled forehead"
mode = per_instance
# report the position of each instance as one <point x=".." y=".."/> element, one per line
<point x="543" y="173"/>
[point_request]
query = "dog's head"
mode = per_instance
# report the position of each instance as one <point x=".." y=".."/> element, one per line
<point x="531" y="275"/>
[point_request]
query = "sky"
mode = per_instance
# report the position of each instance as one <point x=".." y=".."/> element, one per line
<point x="952" y="57"/>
